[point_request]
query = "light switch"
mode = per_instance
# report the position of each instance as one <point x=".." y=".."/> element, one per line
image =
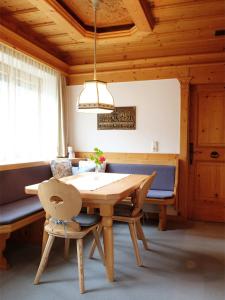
<point x="155" y="146"/>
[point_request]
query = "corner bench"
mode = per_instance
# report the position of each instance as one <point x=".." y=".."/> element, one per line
<point x="18" y="209"/>
<point x="164" y="188"/>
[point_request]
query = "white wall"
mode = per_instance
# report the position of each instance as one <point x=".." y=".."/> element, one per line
<point x="157" y="118"/>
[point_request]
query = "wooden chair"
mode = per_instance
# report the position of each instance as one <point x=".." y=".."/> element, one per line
<point x="131" y="213"/>
<point x="62" y="202"/>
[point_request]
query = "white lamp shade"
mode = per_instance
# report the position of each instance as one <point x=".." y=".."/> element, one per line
<point x="95" y="98"/>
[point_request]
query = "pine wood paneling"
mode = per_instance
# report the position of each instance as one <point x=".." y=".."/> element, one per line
<point x="211" y="124"/>
<point x="207" y="158"/>
<point x="12" y="39"/>
<point x="138" y="158"/>
<point x="180" y="28"/>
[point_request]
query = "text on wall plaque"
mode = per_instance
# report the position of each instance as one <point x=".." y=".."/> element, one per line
<point x="121" y="118"/>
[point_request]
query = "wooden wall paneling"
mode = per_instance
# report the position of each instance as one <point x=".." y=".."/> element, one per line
<point x="208" y="73"/>
<point x="142" y="158"/>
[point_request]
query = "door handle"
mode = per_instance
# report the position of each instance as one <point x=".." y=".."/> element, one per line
<point x="191" y="152"/>
<point x="214" y="154"/>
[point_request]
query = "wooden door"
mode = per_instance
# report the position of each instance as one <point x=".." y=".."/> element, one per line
<point x="207" y="153"/>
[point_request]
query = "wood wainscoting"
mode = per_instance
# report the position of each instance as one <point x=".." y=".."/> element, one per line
<point x="135" y="158"/>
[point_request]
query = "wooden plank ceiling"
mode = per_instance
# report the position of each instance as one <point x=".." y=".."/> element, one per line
<point x="127" y="29"/>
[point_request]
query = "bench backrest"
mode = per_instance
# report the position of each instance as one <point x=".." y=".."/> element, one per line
<point x="12" y="182"/>
<point x="164" y="180"/>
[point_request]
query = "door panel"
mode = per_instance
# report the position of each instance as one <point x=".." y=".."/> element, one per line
<point x="211" y="120"/>
<point x="207" y="138"/>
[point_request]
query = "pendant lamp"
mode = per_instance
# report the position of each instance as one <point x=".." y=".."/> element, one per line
<point x="95" y="96"/>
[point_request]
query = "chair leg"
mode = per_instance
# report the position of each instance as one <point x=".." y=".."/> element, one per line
<point x="66" y="248"/>
<point x="80" y="264"/>
<point x="162" y="217"/>
<point x="93" y="244"/>
<point x="98" y="244"/>
<point x="141" y="233"/>
<point x="139" y="236"/>
<point x="44" y="258"/>
<point x="135" y="243"/>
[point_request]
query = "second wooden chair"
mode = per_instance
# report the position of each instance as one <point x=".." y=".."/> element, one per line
<point x="131" y="213"/>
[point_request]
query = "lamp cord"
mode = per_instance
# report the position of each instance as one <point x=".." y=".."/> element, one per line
<point x="94" y="7"/>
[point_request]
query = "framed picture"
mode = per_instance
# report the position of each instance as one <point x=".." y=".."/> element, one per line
<point x="122" y="118"/>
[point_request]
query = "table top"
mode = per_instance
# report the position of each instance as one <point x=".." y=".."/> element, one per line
<point x="110" y="193"/>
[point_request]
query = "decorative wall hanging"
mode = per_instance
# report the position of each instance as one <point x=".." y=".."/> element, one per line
<point x="122" y="118"/>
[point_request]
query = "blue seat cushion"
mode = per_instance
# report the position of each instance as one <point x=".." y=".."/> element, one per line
<point x="17" y="210"/>
<point x="158" y="194"/>
<point x="86" y="220"/>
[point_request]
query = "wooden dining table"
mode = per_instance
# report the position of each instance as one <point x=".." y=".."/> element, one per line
<point x="104" y="198"/>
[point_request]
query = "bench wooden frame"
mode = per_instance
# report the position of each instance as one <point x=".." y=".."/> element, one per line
<point x="6" y="230"/>
<point x="167" y="201"/>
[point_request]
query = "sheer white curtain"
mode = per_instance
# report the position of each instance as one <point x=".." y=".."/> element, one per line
<point x="28" y="108"/>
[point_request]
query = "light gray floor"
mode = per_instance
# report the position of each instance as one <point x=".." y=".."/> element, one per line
<point x="183" y="264"/>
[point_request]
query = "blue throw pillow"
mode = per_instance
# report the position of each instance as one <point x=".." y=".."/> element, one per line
<point x="78" y="170"/>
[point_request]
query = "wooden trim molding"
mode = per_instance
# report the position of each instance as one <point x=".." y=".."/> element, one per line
<point x="169" y="61"/>
<point x="200" y="73"/>
<point x="23" y="165"/>
<point x="138" y="158"/>
<point x="12" y="39"/>
<point x="184" y="142"/>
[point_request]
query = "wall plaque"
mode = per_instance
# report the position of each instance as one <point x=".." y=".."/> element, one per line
<point x="121" y="118"/>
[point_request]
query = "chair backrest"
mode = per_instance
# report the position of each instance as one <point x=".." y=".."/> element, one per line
<point x="60" y="200"/>
<point x="141" y="194"/>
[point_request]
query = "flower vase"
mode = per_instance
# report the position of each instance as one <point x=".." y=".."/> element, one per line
<point x="97" y="168"/>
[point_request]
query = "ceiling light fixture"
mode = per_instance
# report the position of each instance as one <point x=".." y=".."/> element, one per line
<point x="95" y="97"/>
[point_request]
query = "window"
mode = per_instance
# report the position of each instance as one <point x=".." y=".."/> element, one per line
<point x="28" y="108"/>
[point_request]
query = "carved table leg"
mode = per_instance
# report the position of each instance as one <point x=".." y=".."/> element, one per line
<point x="106" y="213"/>
<point x="3" y="262"/>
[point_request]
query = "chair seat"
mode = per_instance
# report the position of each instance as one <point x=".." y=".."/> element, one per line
<point x="86" y="220"/>
<point x="159" y="194"/>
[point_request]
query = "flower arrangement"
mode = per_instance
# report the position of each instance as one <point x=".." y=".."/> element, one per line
<point x="98" y="157"/>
